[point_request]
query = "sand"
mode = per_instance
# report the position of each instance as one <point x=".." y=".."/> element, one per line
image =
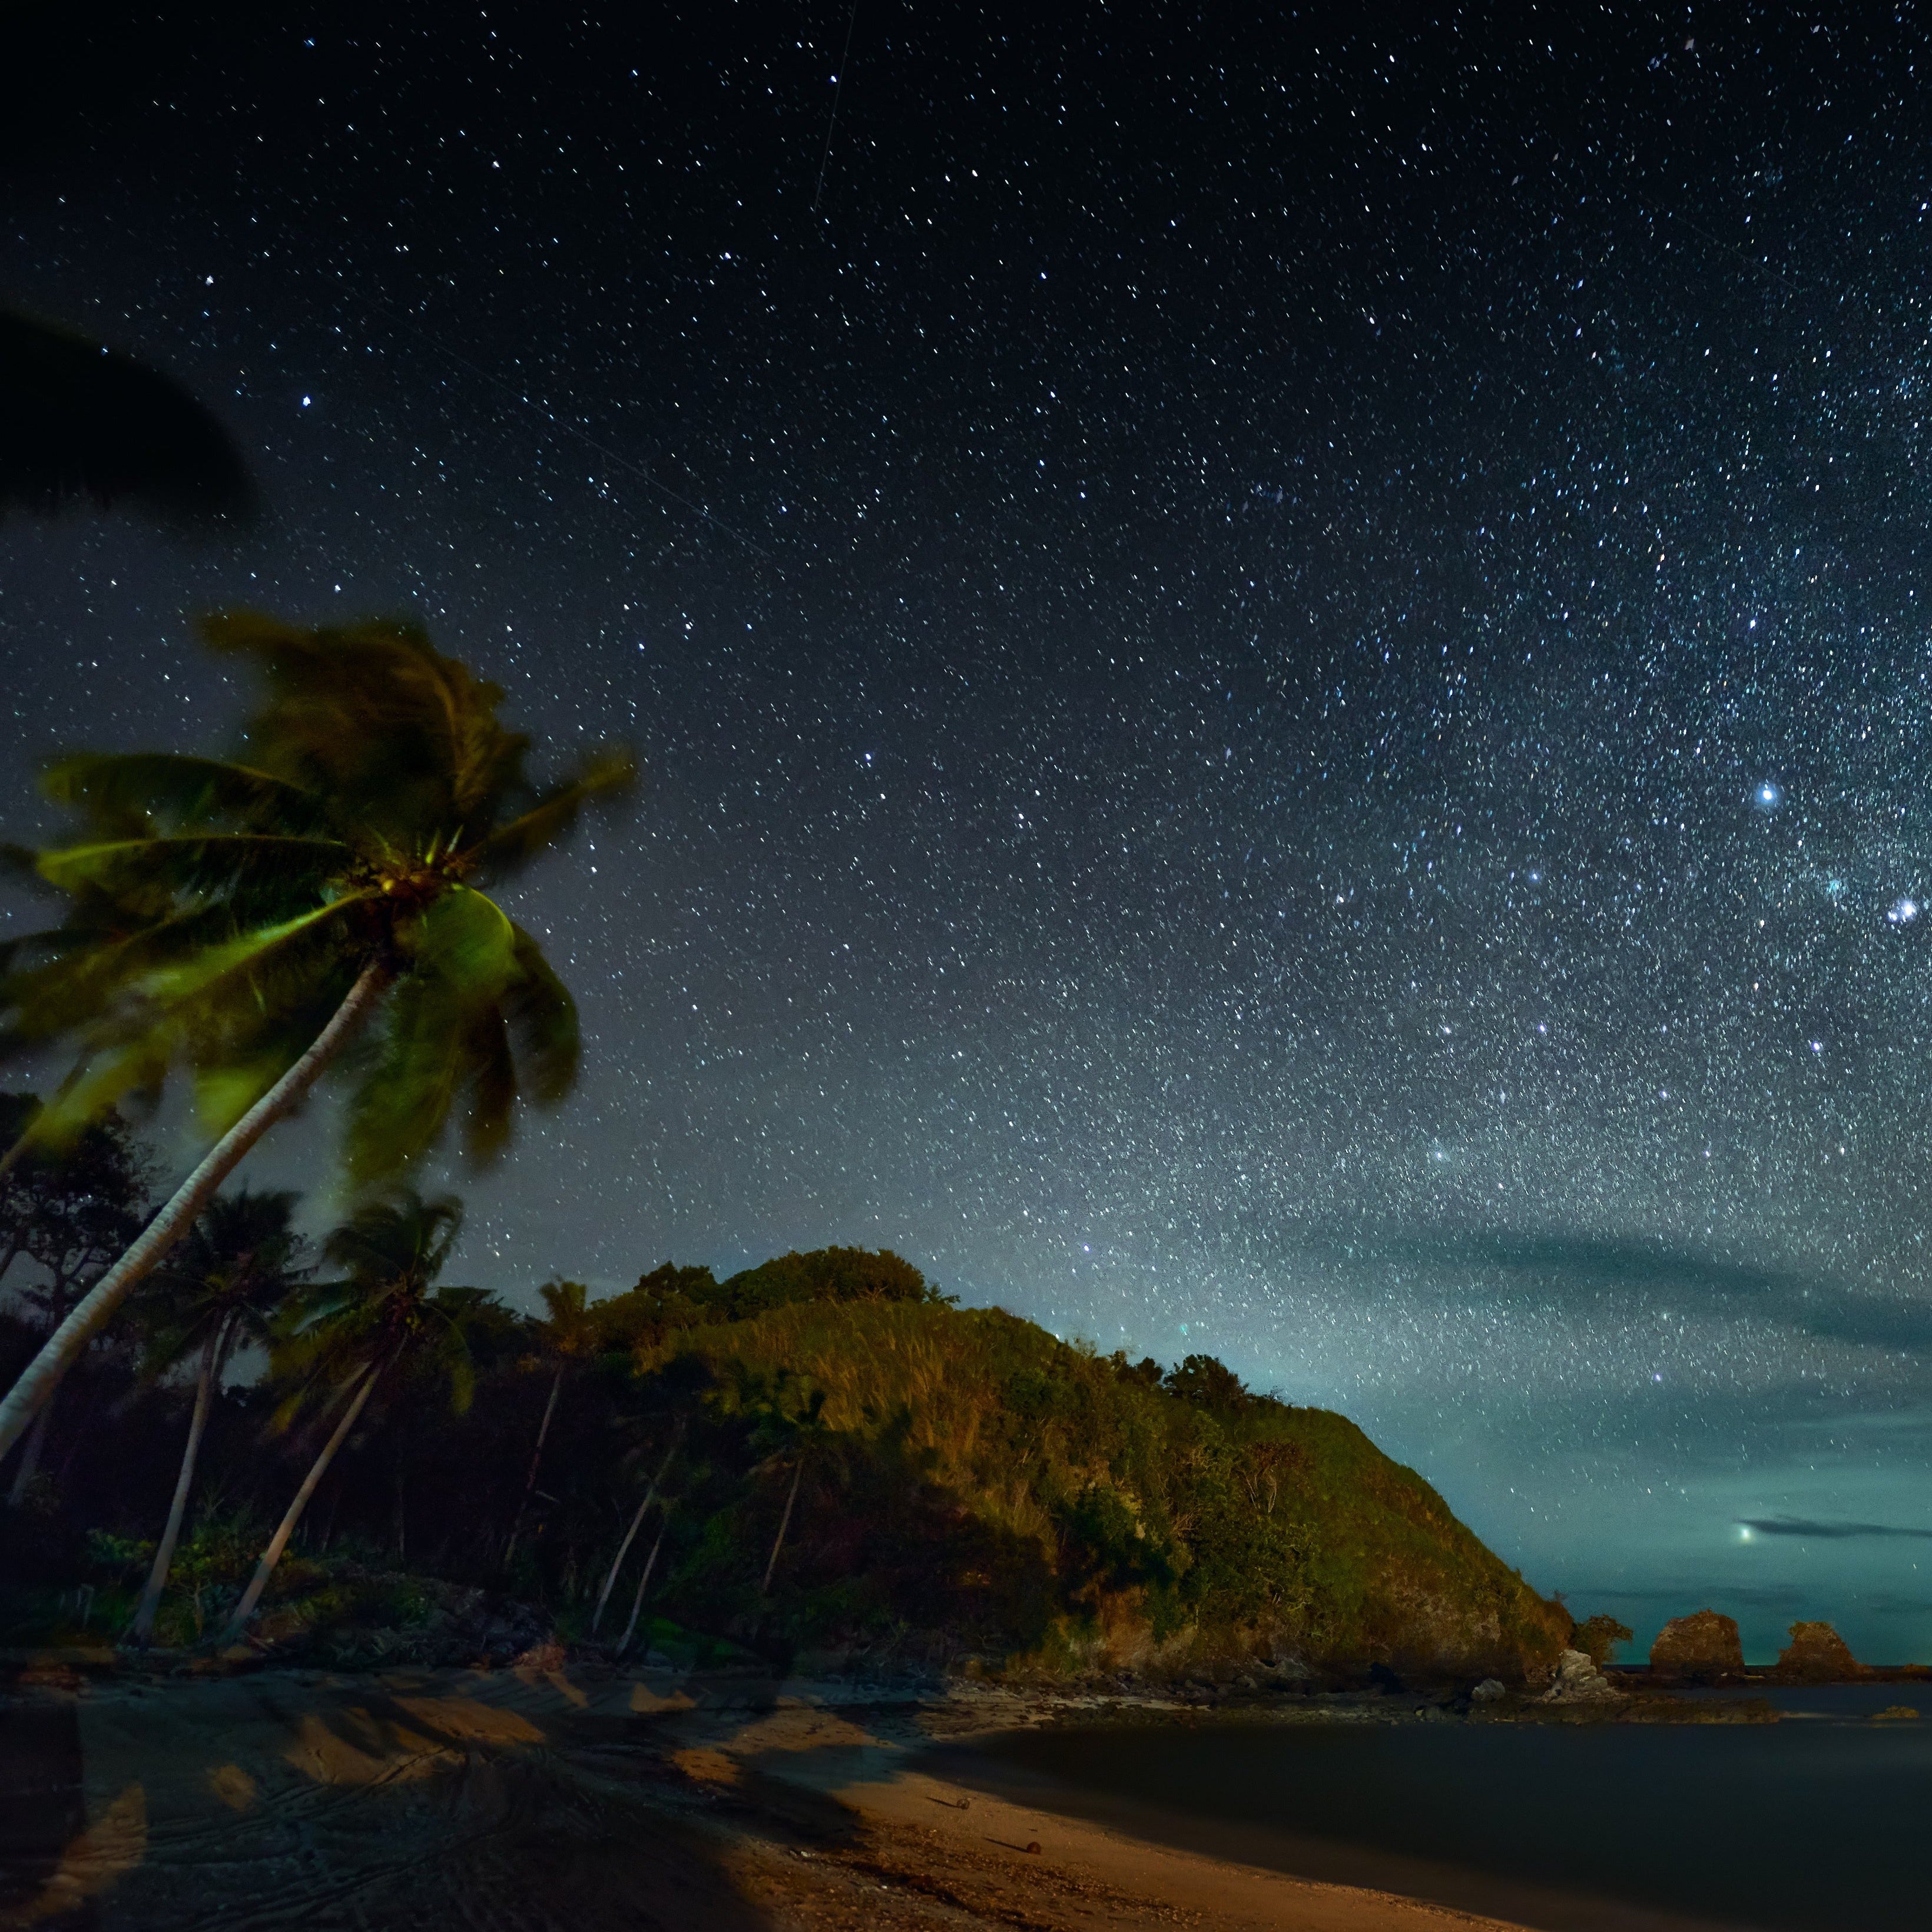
<point x="534" y="1799"/>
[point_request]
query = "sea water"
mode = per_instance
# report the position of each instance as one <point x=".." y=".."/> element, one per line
<point x="1819" y="1821"/>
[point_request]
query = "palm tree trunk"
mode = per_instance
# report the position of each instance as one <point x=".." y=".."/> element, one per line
<point x="279" y="1542"/>
<point x="637" y="1601"/>
<point x="42" y="1376"/>
<point x="143" y="1625"/>
<point x="624" y="1548"/>
<point x="785" y="1523"/>
<point x="536" y="1457"/>
<point x="30" y="1457"/>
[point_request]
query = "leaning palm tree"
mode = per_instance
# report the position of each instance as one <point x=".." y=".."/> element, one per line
<point x="223" y="1285"/>
<point x="384" y="1318"/>
<point x="570" y="1334"/>
<point x="251" y="918"/>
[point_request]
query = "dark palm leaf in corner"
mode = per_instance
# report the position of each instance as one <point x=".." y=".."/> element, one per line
<point x="80" y="422"/>
<point x="316" y="901"/>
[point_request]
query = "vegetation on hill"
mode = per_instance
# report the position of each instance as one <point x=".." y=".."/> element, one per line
<point x="820" y="1459"/>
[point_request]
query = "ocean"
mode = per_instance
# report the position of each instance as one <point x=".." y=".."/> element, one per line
<point x="1819" y="1822"/>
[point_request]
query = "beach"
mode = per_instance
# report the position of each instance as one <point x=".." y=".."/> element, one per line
<point x="537" y="1797"/>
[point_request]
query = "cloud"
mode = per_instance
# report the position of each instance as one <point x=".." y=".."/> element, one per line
<point x="1674" y="1599"/>
<point x="1814" y="1531"/>
<point x="1568" y="1261"/>
<point x="1564" y="1268"/>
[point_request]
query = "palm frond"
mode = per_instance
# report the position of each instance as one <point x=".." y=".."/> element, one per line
<point x="19" y="865"/>
<point x="407" y="1091"/>
<point x="179" y="789"/>
<point x="542" y="1019"/>
<point x="608" y="773"/>
<point x="212" y="968"/>
<point x="374" y="713"/>
<point x="203" y="865"/>
<point x="493" y="1087"/>
<point x="103" y="1079"/>
<point x="466" y="940"/>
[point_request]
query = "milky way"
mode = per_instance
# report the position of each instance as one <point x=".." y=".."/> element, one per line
<point x="1283" y="680"/>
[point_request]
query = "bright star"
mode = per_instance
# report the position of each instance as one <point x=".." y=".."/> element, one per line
<point x="1767" y="797"/>
<point x="1903" y="912"/>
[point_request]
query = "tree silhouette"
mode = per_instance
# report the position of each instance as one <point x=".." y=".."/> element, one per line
<point x="66" y="1212"/>
<point x="385" y="1316"/>
<point x="791" y="1434"/>
<point x="250" y="918"/>
<point x="570" y="1334"/>
<point x="223" y="1284"/>
<point x="630" y="1535"/>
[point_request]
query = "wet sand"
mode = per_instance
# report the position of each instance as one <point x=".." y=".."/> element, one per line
<point x="533" y="1799"/>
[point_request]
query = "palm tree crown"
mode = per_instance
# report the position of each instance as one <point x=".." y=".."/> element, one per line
<point x="386" y="1310"/>
<point x="223" y="908"/>
<point x="233" y="1273"/>
<point x="250" y="917"/>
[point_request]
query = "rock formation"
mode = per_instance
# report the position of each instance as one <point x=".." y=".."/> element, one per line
<point x="1577" y="1680"/>
<point x="1702" y="1648"/>
<point x="1817" y="1654"/>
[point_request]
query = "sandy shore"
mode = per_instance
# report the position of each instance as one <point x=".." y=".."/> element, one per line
<point x="531" y="1799"/>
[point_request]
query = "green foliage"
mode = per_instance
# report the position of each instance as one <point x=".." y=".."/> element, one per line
<point x="1025" y="1496"/>
<point x="1598" y="1637"/>
<point x="210" y="1563"/>
<point x="386" y="1315"/>
<point x="220" y="909"/>
<point x="229" y="1276"/>
<point x="857" y="1467"/>
<point x="668" y="1298"/>
<point x="1207" y="1384"/>
<point x="826" y="1274"/>
<point x="65" y="1213"/>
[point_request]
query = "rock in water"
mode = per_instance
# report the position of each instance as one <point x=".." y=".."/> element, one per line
<point x="1702" y="1648"/>
<point x="1488" y="1690"/>
<point x="1817" y="1654"/>
<point x="1578" y="1681"/>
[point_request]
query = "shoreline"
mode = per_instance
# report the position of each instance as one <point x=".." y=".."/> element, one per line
<point x="150" y="1800"/>
<point x="735" y="1803"/>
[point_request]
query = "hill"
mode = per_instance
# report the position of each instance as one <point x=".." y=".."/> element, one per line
<point x="820" y="1459"/>
<point x="977" y="1485"/>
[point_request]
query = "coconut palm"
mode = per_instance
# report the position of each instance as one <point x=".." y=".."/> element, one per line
<point x="571" y="1333"/>
<point x="630" y="1535"/>
<point x="250" y="918"/>
<point x="384" y="1318"/>
<point x="644" y="1581"/>
<point x="223" y="1285"/>
<point x="792" y="1435"/>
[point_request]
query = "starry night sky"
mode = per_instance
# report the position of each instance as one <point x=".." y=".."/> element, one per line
<point x="1285" y="675"/>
